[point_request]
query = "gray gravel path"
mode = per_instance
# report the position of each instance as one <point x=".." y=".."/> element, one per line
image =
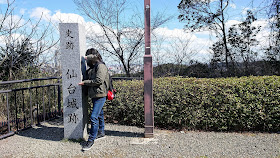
<point x="126" y="141"/>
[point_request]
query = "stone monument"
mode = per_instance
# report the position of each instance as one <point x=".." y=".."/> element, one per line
<point x="73" y="48"/>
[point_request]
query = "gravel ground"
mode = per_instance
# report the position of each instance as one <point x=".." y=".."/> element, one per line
<point x="126" y="141"/>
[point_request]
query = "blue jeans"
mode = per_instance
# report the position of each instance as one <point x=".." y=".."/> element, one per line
<point x="97" y="118"/>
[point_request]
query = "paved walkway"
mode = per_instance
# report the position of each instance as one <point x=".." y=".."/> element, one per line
<point x="126" y="141"/>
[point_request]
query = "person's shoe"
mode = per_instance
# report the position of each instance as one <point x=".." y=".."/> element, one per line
<point x="100" y="135"/>
<point x="88" y="145"/>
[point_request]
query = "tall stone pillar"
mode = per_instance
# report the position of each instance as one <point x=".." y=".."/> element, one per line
<point x="73" y="48"/>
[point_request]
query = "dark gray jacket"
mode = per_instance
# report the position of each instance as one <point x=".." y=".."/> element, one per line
<point x="97" y="80"/>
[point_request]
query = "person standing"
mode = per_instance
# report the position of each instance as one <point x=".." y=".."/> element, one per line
<point x="97" y="80"/>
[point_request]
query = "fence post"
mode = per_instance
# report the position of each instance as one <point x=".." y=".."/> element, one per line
<point x="23" y="107"/>
<point x="16" y="110"/>
<point x="31" y="112"/>
<point x="38" y="122"/>
<point x="59" y="99"/>
<point x="8" y="112"/>
<point x="54" y="101"/>
<point x="44" y="110"/>
<point x="49" y="95"/>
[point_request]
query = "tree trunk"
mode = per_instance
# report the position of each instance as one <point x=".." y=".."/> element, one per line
<point x="227" y="53"/>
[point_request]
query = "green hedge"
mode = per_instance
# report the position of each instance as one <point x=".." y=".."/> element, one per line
<point x="223" y="104"/>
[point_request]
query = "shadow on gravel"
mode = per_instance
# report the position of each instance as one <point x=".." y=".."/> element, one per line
<point x="123" y="134"/>
<point x="44" y="133"/>
<point x="56" y="133"/>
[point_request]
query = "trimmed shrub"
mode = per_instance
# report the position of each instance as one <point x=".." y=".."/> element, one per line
<point x="223" y="104"/>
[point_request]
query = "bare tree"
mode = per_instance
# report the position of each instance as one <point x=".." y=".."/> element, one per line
<point x="158" y="51"/>
<point x="122" y="34"/>
<point x="23" y="41"/>
<point x="180" y="50"/>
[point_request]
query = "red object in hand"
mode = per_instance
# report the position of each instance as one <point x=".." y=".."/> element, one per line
<point x="110" y="95"/>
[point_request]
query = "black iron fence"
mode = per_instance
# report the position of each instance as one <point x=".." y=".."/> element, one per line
<point x="24" y="103"/>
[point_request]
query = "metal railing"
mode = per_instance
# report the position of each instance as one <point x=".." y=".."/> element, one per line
<point x="127" y="78"/>
<point x="17" y="115"/>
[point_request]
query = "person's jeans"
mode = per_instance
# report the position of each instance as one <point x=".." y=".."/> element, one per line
<point x="97" y="118"/>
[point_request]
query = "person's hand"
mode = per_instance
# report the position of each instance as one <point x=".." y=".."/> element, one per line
<point x="85" y="57"/>
<point x="81" y="83"/>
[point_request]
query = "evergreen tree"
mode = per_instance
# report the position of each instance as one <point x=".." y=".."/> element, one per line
<point x="242" y="39"/>
<point x="211" y="15"/>
<point x="273" y="51"/>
